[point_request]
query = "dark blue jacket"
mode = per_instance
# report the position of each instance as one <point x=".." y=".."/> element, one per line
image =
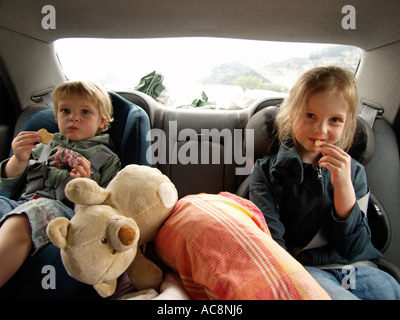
<point x="296" y="199"/>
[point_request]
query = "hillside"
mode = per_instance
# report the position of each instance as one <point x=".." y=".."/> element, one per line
<point x="279" y="76"/>
<point x="235" y="73"/>
<point x="286" y="72"/>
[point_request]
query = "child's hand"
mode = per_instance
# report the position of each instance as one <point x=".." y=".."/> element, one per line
<point x="338" y="163"/>
<point x="23" y="144"/>
<point x="81" y="168"/>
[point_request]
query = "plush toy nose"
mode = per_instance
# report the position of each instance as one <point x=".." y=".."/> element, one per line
<point x="123" y="233"/>
<point x="126" y="235"/>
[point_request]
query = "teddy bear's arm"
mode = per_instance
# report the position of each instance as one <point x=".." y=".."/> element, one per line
<point x="144" y="274"/>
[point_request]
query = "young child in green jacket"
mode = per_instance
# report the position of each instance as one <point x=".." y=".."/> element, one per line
<point x="83" y="111"/>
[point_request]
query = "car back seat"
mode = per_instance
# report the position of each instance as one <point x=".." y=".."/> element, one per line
<point x="192" y="178"/>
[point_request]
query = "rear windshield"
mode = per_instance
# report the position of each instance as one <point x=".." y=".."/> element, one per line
<point x="199" y="72"/>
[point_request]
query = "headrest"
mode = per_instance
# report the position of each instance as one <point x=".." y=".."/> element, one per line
<point x="41" y="119"/>
<point x="363" y="146"/>
<point x="266" y="141"/>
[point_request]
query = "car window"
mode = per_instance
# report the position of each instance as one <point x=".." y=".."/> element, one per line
<point x="199" y="72"/>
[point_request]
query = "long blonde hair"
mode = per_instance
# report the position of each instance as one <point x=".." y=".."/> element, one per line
<point x="315" y="80"/>
<point x="86" y="90"/>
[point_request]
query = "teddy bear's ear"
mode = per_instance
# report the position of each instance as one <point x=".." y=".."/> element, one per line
<point x="168" y="194"/>
<point x="57" y="231"/>
<point x="85" y="191"/>
<point x="122" y="232"/>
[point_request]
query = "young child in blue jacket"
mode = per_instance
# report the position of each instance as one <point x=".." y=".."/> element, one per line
<point x="312" y="193"/>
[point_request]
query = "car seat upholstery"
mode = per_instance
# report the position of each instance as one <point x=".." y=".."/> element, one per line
<point x="264" y="103"/>
<point x="383" y="173"/>
<point x="362" y="149"/>
<point x="128" y="134"/>
<point x="128" y="131"/>
<point x="207" y="174"/>
<point x="147" y="103"/>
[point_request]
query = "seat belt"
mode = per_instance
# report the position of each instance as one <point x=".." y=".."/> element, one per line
<point x="37" y="173"/>
<point x="44" y="96"/>
<point x="370" y="112"/>
<point x="47" y="100"/>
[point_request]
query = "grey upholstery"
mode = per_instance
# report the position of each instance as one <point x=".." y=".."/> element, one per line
<point x="383" y="173"/>
<point x="192" y="178"/>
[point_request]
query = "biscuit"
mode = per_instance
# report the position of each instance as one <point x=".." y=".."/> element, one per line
<point x="317" y="143"/>
<point x="45" y="136"/>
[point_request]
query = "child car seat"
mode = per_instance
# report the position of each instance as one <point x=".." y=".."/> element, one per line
<point x="128" y="134"/>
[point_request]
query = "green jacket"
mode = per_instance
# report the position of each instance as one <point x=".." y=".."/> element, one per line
<point x="56" y="175"/>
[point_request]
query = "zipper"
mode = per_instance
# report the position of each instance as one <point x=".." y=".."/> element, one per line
<point x="320" y="195"/>
<point x="319" y="200"/>
<point x="319" y="174"/>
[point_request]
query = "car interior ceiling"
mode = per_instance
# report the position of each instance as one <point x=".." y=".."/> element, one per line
<point x="27" y="52"/>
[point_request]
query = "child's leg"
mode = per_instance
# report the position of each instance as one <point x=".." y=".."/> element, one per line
<point x="329" y="281"/>
<point x="375" y="284"/>
<point x="15" y="245"/>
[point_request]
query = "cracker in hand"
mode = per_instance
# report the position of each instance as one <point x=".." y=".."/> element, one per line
<point x="45" y="136"/>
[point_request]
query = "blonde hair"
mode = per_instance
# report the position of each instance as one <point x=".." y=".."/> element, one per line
<point x="315" y="80"/>
<point x="86" y="90"/>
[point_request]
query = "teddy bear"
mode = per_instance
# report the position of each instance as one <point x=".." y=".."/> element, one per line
<point x="104" y="237"/>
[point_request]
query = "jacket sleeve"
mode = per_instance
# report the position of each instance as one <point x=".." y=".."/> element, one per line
<point x="108" y="171"/>
<point x="262" y="195"/>
<point x="8" y="185"/>
<point x="352" y="237"/>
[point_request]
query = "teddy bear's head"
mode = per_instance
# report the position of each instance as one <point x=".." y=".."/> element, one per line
<point x="140" y="192"/>
<point x="97" y="245"/>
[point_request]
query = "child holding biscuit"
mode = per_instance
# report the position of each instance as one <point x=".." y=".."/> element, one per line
<point x="310" y="190"/>
<point x="83" y="112"/>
